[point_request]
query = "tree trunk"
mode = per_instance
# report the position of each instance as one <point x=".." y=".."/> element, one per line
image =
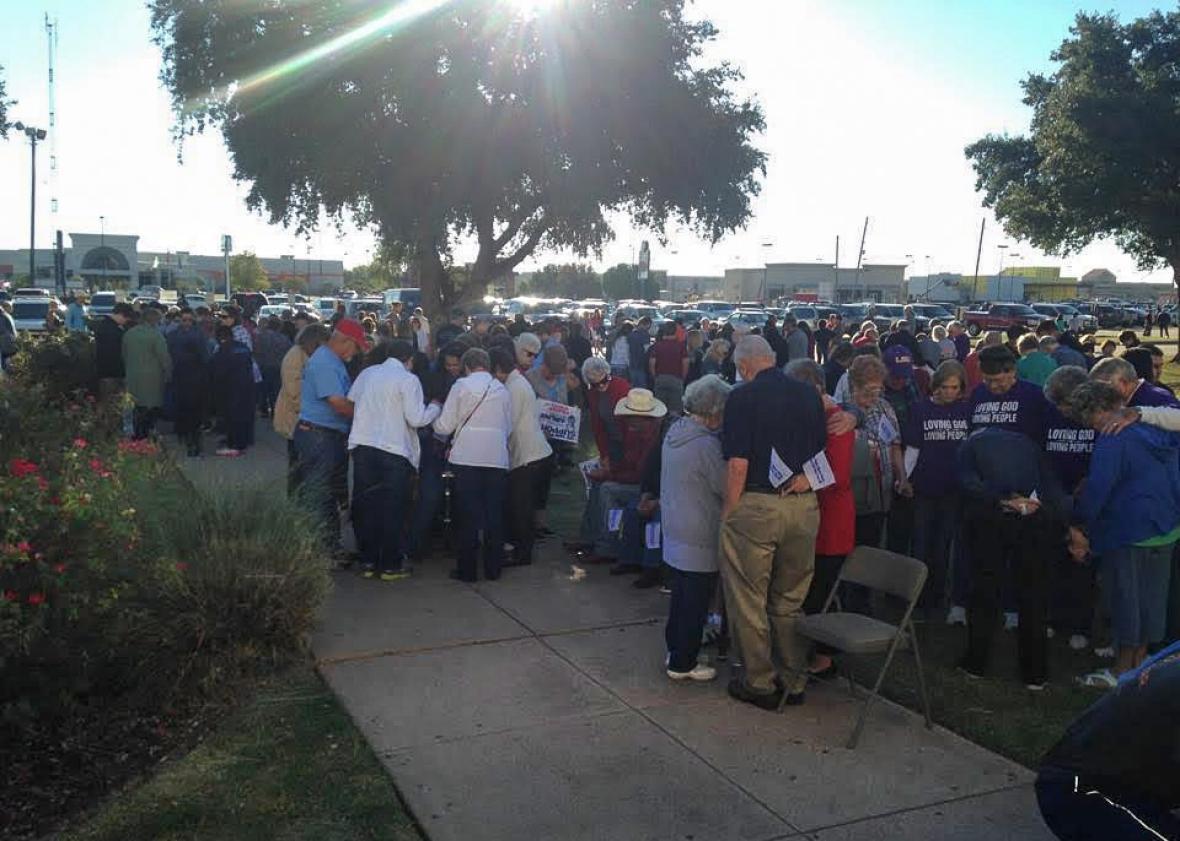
<point x="1176" y="283"/>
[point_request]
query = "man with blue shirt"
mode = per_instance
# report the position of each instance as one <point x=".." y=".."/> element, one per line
<point x="325" y="417"/>
<point x="1115" y="774"/>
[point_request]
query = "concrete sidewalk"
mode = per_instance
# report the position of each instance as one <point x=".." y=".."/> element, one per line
<point x="536" y="708"/>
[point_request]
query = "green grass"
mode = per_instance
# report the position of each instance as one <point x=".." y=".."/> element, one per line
<point x="287" y="764"/>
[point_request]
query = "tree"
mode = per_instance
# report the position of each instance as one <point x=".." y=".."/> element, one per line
<point x="572" y="280"/>
<point x="4" y="103"/>
<point x="246" y="273"/>
<point x="1102" y="158"/>
<point x="468" y="122"/>
<point x="621" y="282"/>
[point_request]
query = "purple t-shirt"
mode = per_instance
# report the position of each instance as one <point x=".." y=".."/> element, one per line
<point x="1022" y="408"/>
<point x="1069" y="445"/>
<point x="962" y="346"/>
<point x="1150" y="395"/>
<point x="936" y="431"/>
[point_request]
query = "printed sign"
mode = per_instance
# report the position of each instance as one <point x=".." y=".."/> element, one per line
<point x="818" y="471"/>
<point x="559" y="422"/>
<point x="652" y="533"/>
<point x="779" y="472"/>
<point x="614" y="520"/>
<point x="586" y="468"/>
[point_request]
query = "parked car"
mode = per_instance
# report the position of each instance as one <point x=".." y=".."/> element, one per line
<point x="1001" y="317"/>
<point x="249" y="302"/>
<point x="717" y="310"/>
<point x="752" y="318"/>
<point x="326" y="307"/>
<point x="30" y="314"/>
<point x="103" y="303"/>
<point x="408" y="297"/>
<point x="355" y="307"/>
<point x="689" y="318"/>
<point x="805" y="313"/>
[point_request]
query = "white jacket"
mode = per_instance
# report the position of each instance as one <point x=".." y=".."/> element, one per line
<point x="526" y="443"/>
<point x="478" y="412"/>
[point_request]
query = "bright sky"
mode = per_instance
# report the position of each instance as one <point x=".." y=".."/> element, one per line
<point x="868" y="104"/>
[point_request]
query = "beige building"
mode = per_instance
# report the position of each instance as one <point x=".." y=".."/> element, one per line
<point x="884" y="282"/>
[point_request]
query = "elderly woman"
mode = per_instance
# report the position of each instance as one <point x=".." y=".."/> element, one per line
<point x="931" y="437"/>
<point x="1129" y="509"/>
<point x="867" y="335"/>
<point x="877" y="465"/>
<point x="716" y="358"/>
<point x="946" y="345"/>
<point x="478" y="417"/>
<point x="692" y="489"/>
<point x="837" y="507"/>
<point x="528" y="346"/>
<point x="603" y="392"/>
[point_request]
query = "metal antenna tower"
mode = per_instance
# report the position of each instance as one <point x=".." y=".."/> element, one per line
<point x="51" y="36"/>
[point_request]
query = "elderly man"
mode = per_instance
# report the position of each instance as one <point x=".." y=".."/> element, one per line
<point x="769" y="521"/>
<point x="603" y="392"/>
<point x="1135" y="391"/>
<point x="149" y="367"/>
<point x="321" y="433"/>
<point x="388" y="411"/>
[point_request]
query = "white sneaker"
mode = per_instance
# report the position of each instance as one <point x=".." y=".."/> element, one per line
<point x="1035" y="687"/>
<point x="1011" y="621"/>
<point x="957" y="615"/>
<point x="1050" y="633"/>
<point x="229" y="452"/>
<point x="1078" y="642"/>
<point x="700" y="672"/>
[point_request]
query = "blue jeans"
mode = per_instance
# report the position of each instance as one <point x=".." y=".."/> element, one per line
<point x="430" y="494"/>
<point x="612" y="496"/>
<point x="936" y="518"/>
<point x="638" y="377"/>
<point x="479" y="498"/>
<point x="692" y="592"/>
<point x="633" y="540"/>
<point x="380" y="490"/>
<point x="323" y="455"/>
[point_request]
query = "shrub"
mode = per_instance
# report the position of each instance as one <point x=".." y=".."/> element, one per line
<point x="61" y="364"/>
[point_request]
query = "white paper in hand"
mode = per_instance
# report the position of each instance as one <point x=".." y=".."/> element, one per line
<point x="910" y="460"/>
<point x="779" y="472"/>
<point x="1033" y="496"/>
<point x="614" y="519"/>
<point x="652" y="533"/>
<point x="818" y="471"/>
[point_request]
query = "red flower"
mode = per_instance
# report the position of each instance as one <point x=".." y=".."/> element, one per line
<point x="24" y="547"/>
<point x="55" y="500"/>
<point x="36" y="598"/>
<point x="43" y="483"/>
<point x="59" y="568"/>
<point x="181" y="566"/>
<point x="80" y="443"/>
<point x="11" y="596"/>
<point x="22" y="467"/>
<point x="96" y="464"/>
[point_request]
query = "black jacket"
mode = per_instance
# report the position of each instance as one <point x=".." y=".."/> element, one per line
<point x="108" y="349"/>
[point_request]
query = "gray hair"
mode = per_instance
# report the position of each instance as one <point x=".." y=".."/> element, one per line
<point x="528" y="341"/>
<point x="1092" y="398"/>
<point x="752" y="347"/>
<point x="806" y="371"/>
<point x="1062" y="383"/>
<point x="595" y="368"/>
<point x="721" y="345"/>
<point x="1114" y="368"/>
<point x="312" y="336"/>
<point x="706" y="397"/>
<point x="474" y="358"/>
<point x="938" y="332"/>
<point x="992" y="337"/>
<point x="865" y="370"/>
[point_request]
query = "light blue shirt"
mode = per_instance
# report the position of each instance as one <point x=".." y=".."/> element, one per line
<point x="75" y="318"/>
<point x="325" y="376"/>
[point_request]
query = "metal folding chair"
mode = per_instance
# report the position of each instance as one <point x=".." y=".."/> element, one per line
<point x="855" y="633"/>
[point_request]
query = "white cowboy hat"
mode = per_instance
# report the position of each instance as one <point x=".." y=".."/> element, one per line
<point x="642" y="404"/>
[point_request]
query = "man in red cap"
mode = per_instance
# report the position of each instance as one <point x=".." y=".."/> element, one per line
<point x="325" y="417"/>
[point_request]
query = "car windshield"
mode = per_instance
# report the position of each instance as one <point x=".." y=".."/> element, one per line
<point x="22" y="310"/>
<point x="803" y="312"/>
<point x="102" y="299"/>
<point x="1022" y="309"/>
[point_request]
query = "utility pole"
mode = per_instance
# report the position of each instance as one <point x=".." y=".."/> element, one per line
<point x="227" y="245"/>
<point x="978" y="255"/>
<point x="861" y="255"/>
<point x="836" y="273"/>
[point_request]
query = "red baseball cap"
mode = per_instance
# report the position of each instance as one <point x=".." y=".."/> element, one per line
<point x="352" y="328"/>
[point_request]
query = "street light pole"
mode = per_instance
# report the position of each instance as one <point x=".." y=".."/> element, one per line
<point x="34" y="134"/>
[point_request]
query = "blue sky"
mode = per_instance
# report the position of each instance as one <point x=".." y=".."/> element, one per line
<point x="868" y="103"/>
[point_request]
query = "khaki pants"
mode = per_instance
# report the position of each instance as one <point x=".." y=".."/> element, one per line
<point x="768" y="551"/>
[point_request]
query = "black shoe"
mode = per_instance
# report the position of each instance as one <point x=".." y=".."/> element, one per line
<point x="546" y="532"/>
<point x="625" y="569"/>
<point x="763" y="700"/>
<point x="648" y="578"/>
<point x="794" y="699"/>
<point x="458" y="576"/>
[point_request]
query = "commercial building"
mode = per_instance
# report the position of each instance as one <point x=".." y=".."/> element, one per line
<point x="104" y="261"/>
<point x="883" y="282"/>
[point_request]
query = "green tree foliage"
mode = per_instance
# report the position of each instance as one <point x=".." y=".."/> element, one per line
<point x="4" y="103"/>
<point x="571" y="280"/>
<point x="1102" y="158"/>
<point x="246" y="273"/>
<point x="620" y="282"/>
<point x="472" y="122"/>
<point x="386" y="270"/>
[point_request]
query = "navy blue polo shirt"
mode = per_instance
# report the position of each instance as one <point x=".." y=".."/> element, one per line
<point x="773" y="411"/>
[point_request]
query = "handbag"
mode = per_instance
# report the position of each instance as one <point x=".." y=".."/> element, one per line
<point x="463" y="424"/>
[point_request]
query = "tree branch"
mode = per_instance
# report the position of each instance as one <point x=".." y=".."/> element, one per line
<point x="515" y="225"/>
<point x="500" y="267"/>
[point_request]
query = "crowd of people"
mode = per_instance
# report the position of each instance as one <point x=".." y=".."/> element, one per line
<point x="1035" y="475"/>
